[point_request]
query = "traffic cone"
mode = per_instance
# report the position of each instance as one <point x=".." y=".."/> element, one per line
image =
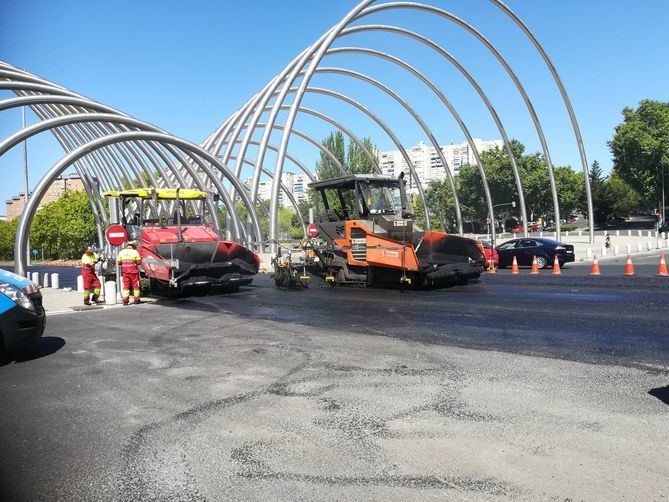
<point x="535" y="266"/>
<point x="629" y="268"/>
<point x="514" y="266"/>
<point x="556" y="267"/>
<point x="662" y="269"/>
<point x="595" y="266"/>
<point x="491" y="265"/>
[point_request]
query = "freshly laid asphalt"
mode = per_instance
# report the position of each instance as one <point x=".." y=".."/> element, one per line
<point x="515" y="387"/>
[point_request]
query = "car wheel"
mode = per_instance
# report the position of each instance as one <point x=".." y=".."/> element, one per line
<point x="542" y="262"/>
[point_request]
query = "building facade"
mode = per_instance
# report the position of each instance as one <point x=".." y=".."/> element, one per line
<point x="425" y="159"/>
<point x="427" y="163"/>
<point x="297" y="184"/>
<point x="14" y="206"/>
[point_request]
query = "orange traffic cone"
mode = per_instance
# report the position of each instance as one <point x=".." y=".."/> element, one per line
<point x="595" y="266"/>
<point x="514" y="266"/>
<point x="662" y="269"/>
<point x="629" y="268"/>
<point x="491" y="265"/>
<point x="535" y="266"/>
<point x="556" y="267"/>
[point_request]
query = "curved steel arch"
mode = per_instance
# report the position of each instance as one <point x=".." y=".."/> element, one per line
<point x="426" y="130"/>
<point x="311" y="58"/>
<point x="48" y="124"/>
<point x="62" y="117"/>
<point x="521" y="89"/>
<point x="127" y="161"/>
<point x="567" y="102"/>
<point x="70" y="139"/>
<point x="21" y="243"/>
<point x="78" y="137"/>
<point x="493" y="112"/>
<point x="382" y="125"/>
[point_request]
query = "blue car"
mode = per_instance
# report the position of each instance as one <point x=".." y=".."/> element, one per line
<point x="526" y="249"/>
<point x="22" y="317"/>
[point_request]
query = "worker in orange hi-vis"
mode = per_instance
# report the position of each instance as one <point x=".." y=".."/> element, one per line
<point x="130" y="260"/>
<point x="91" y="281"/>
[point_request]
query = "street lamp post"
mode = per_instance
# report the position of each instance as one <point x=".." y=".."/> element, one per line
<point x="25" y="169"/>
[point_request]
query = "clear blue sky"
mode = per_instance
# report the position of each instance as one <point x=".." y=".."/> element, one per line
<point x="186" y="68"/>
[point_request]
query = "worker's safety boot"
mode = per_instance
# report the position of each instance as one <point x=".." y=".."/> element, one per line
<point x="97" y="300"/>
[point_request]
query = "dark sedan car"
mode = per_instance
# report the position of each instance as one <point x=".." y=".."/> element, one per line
<point x="526" y="249"/>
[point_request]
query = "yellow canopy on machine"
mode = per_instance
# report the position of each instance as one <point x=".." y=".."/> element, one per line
<point x="159" y="193"/>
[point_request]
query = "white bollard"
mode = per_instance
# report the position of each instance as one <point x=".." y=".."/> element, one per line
<point x="616" y="250"/>
<point x="110" y="292"/>
<point x="45" y="280"/>
<point x="649" y="245"/>
<point x="566" y="233"/>
<point x="629" y="233"/>
<point x="588" y="253"/>
<point x="555" y="235"/>
<point x="638" y="247"/>
<point x="666" y="244"/>
<point x="658" y="243"/>
<point x="640" y="233"/>
<point x="617" y="233"/>
<point x="35" y="278"/>
<point x="80" y="284"/>
<point x="604" y="251"/>
<point x="541" y="234"/>
<point x="55" y="280"/>
<point x="650" y="234"/>
<point x="580" y="233"/>
<point x="628" y="249"/>
<point x="665" y="236"/>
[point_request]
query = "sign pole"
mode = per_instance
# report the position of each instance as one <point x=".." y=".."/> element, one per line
<point x="116" y="236"/>
<point x="118" y="272"/>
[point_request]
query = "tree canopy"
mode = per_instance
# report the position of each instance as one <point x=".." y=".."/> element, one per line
<point x="65" y="226"/>
<point x="640" y="148"/>
<point x="353" y="159"/>
<point x="534" y="176"/>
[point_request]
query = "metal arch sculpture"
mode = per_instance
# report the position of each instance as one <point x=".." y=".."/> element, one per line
<point x="126" y="162"/>
<point x="90" y="131"/>
<point x="194" y="151"/>
<point x="296" y="77"/>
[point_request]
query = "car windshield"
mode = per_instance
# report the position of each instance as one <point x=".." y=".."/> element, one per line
<point x="381" y="198"/>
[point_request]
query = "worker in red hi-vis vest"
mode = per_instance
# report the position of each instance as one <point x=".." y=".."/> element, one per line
<point x="130" y="260"/>
<point x="91" y="281"/>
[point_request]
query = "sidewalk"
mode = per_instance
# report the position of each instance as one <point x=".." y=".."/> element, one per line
<point x="60" y="301"/>
<point x="638" y="244"/>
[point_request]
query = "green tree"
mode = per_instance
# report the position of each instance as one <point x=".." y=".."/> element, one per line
<point x="640" y="148"/>
<point x="534" y="176"/>
<point x="597" y="182"/>
<point x="7" y="235"/>
<point x="64" y="227"/>
<point x="619" y="199"/>
<point x="440" y="203"/>
<point x="352" y="158"/>
<point x="570" y="187"/>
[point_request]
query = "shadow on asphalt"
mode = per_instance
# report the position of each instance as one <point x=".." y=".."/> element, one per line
<point x="662" y="393"/>
<point x="42" y="347"/>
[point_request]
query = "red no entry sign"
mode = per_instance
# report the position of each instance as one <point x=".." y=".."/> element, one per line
<point x="116" y="235"/>
<point x="312" y="230"/>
